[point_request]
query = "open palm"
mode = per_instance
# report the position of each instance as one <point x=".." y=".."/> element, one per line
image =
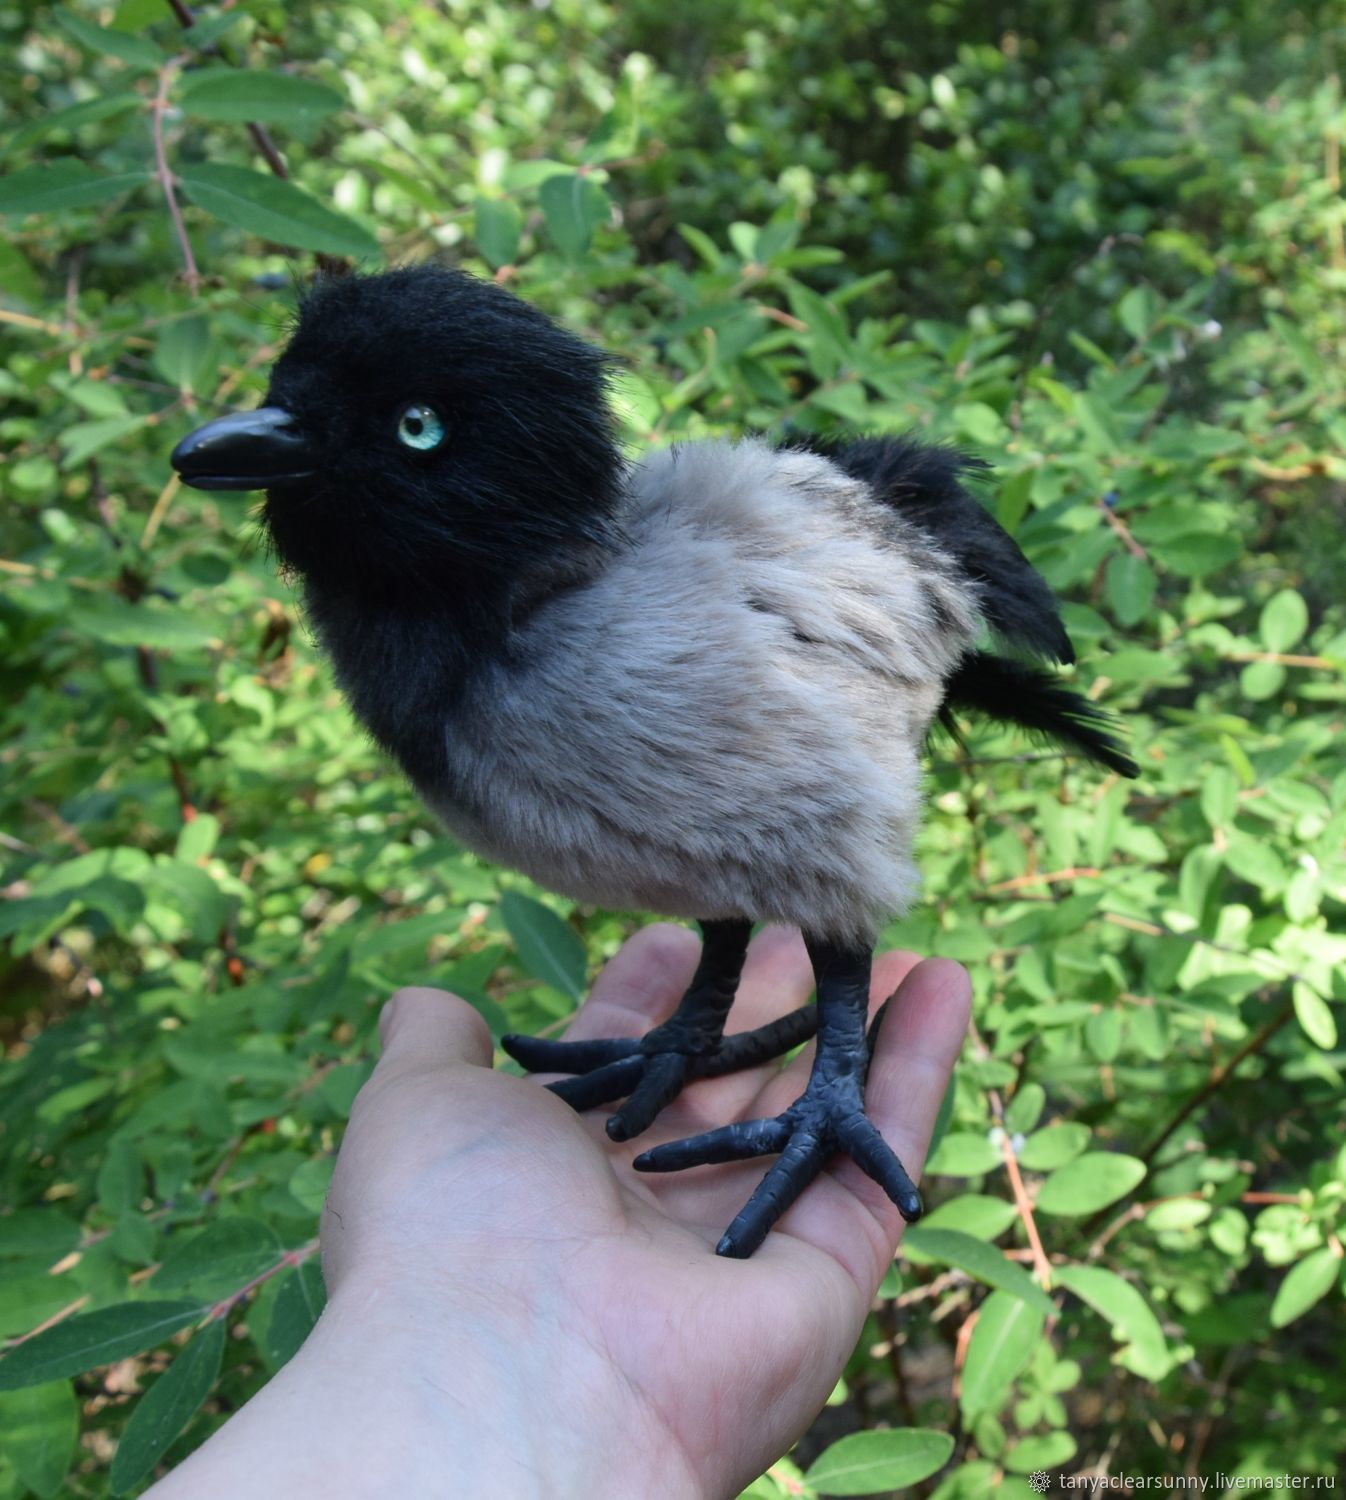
<point x="454" y="1174"/>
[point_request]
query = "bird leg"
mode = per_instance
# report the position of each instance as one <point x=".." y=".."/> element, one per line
<point x="828" y="1117"/>
<point x="652" y="1070"/>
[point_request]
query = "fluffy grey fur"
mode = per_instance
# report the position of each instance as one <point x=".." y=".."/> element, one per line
<point x="725" y="718"/>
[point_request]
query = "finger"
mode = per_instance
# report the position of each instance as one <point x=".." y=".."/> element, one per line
<point x="845" y="1212"/>
<point x="640" y="985"/>
<point x="424" y="1028"/>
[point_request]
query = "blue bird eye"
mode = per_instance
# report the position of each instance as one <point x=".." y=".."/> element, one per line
<point x="420" y="426"/>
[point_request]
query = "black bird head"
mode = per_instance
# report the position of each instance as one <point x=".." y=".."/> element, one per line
<point x="421" y="426"/>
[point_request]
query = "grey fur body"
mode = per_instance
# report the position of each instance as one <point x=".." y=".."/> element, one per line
<point x="725" y="717"/>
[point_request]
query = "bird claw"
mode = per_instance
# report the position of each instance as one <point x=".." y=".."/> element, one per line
<point x="652" y="1071"/>
<point x="828" y="1118"/>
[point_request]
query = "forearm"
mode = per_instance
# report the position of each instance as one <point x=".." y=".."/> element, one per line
<point x="381" y="1402"/>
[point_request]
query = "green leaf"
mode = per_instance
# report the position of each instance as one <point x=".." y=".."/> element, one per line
<point x="310" y="1181"/>
<point x="973" y="1213"/>
<point x="1089" y="1183"/>
<point x="1130" y="586"/>
<point x="1285" y="618"/>
<point x="90" y="1340"/>
<point x="1097" y="423"/>
<point x="963" y="1154"/>
<point x="1025" y="1109"/>
<point x="944" y="1116"/>
<point x="1219" y="796"/>
<point x="1261" y="680"/>
<point x="73" y="1099"/>
<point x="980" y="423"/>
<point x="139" y="51"/>
<point x="547" y="947"/>
<point x="866" y="1463"/>
<point x="298" y="1302"/>
<point x="1137" y="311"/>
<point x="82" y="440"/>
<point x="120" y="1178"/>
<point x="573" y="206"/>
<point x="1314" y="1015"/>
<point x="62" y="184"/>
<point x="39" y="1426"/>
<point x="1002" y="1343"/>
<point x="1048" y="1451"/>
<point x="275" y="210"/>
<point x="239" y="96"/>
<point x="219" y="1259"/>
<point x="1053" y="1145"/>
<point x="42" y="1235"/>
<point x="182" y="354"/>
<point x="1179" y="1213"/>
<point x="118" y="622"/>
<point x="1200" y="553"/>
<point x="1307" y="1281"/>
<point x="197" y="839"/>
<point x="166" y="1408"/>
<point x="497" y="225"/>
<point x="951" y="1248"/>
<point x="1103" y="1034"/>
<point x="29" y="1296"/>
<point x="86" y="112"/>
<point x="1146" y="1352"/>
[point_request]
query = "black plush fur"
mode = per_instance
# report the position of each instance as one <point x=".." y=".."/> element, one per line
<point x="923" y="484"/>
<point x="529" y="467"/>
<point x="1020" y="693"/>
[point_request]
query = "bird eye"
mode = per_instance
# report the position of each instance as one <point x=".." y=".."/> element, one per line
<point x="420" y="427"/>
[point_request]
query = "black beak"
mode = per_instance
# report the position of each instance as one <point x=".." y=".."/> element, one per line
<point x="250" y="450"/>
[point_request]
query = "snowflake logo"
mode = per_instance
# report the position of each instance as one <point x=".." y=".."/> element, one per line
<point x="1040" y="1480"/>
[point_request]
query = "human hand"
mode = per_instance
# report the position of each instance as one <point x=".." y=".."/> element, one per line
<point x="516" y="1311"/>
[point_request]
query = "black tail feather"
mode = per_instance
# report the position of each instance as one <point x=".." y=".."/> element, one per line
<point x="1035" y="699"/>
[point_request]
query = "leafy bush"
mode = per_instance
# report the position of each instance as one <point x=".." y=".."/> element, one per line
<point x="1103" y="248"/>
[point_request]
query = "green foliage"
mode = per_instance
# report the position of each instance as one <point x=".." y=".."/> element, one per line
<point x="1102" y="246"/>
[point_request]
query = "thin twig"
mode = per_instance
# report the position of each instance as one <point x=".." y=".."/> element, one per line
<point x="288" y="1259"/>
<point x="166" y="179"/>
<point x="160" y="509"/>
<point x="261" y="139"/>
<point x="1124" y="532"/>
<point x="1219" y="1077"/>
<point x="1050" y="877"/>
<point x="22" y="320"/>
<point x="1042" y="1267"/>
<point x="1282" y="659"/>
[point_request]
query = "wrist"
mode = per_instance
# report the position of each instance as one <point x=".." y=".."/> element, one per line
<point x="429" y="1397"/>
<point x="511" y="1400"/>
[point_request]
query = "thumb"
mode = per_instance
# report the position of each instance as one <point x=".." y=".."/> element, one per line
<point x="423" y="1028"/>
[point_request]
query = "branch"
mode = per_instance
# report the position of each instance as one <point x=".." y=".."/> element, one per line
<point x="261" y="139"/>
<point x="1219" y="1077"/>
<point x="166" y="180"/>
<point x="289" y="1259"/>
<point x="1042" y="1268"/>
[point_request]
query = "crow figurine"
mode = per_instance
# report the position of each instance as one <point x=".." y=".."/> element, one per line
<point x="697" y="683"/>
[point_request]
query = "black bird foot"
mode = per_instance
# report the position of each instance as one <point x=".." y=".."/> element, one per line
<point x="652" y="1071"/>
<point x="828" y="1117"/>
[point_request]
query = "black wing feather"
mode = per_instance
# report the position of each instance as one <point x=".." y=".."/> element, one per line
<point x="1019" y="693"/>
<point x="923" y="484"/>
